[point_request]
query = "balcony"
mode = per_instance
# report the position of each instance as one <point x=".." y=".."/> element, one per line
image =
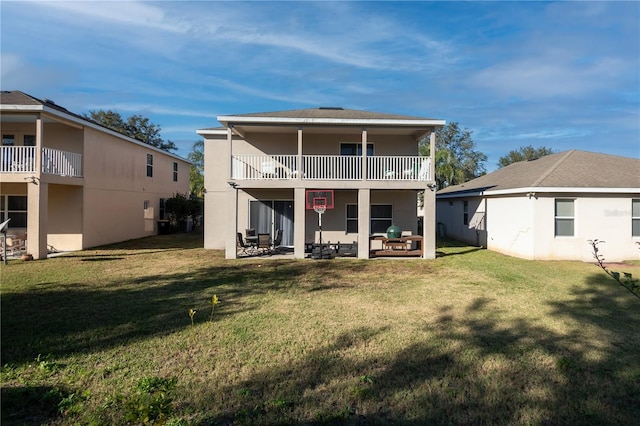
<point x="330" y="167"/>
<point x="22" y="159"/>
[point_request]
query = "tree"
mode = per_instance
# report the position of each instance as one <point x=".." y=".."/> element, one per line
<point x="456" y="160"/>
<point x="524" y="153"/>
<point x="136" y="126"/>
<point x="196" y="172"/>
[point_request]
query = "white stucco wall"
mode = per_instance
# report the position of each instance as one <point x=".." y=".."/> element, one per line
<point x="524" y="226"/>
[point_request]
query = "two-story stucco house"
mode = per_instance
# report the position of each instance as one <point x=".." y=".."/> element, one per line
<point x="549" y="208"/>
<point x="259" y="166"/>
<point x="68" y="183"/>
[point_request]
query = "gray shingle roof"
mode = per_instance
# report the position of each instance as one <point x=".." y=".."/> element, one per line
<point x="569" y="169"/>
<point x="331" y="113"/>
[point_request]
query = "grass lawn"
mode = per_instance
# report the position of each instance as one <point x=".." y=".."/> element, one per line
<point x="104" y="336"/>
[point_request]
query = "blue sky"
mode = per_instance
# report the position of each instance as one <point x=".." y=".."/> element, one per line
<point x="562" y="75"/>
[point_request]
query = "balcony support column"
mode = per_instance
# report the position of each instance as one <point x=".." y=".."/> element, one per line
<point x="364" y="213"/>
<point x="364" y="154"/>
<point x="231" y="251"/>
<point x="37" y="218"/>
<point x="229" y="152"/>
<point x="300" y="170"/>
<point x="432" y="154"/>
<point x="39" y="134"/>
<point x="299" y="219"/>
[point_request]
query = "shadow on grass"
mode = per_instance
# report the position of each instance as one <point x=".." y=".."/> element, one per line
<point x="56" y="320"/>
<point x="472" y="369"/>
<point x="35" y="405"/>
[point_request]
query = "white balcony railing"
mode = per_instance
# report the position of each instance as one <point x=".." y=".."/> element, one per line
<point x="22" y="159"/>
<point x="330" y="167"/>
<point x="61" y="163"/>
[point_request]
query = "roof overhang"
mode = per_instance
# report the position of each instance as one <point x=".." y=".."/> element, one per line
<point x="538" y="190"/>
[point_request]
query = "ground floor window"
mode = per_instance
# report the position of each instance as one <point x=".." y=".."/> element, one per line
<point x="635" y="218"/>
<point x="381" y="217"/>
<point x="352" y="218"/>
<point x="14" y="207"/>
<point x="564" y="218"/>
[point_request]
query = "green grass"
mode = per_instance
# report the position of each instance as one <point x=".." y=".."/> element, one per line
<point x="473" y="337"/>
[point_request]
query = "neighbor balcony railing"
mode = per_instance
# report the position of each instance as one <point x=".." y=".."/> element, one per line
<point x="22" y="159"/>
<point x="330" y="167"/>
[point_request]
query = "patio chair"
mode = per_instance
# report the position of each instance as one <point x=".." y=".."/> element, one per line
<point x="243" y="247"/>
<point x="264" y="243"/>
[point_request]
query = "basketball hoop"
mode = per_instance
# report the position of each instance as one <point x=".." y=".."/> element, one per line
<point x="320" y="209"/>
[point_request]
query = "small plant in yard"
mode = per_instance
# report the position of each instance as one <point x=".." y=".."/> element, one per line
<point x="626" y="280"/>
<point x="192" y="313"/>
<point x="151" y="401"/>
<point x="214" y="302"/>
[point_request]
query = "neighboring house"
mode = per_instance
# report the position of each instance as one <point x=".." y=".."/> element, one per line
<point x="258" y="167"/>
<point x="68" y="183"/>
<point x="549" y="208"/>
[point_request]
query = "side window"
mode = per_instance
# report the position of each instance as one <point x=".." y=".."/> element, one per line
<point x="381" y="217"/>
<point x="161" y="210"/>
<point x="465" y="213"/>
<point x="564" y="218"/>
<point x="352" y="218"/>
<point x="150" y="165"/>
<point x="635" y="218"/>
<point x="175" y="172"/>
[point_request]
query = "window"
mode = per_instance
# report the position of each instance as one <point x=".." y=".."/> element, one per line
<point x="381" y="217"/>
<point x="175" y="172"/>
<point x="465" y="213"/>
<point x="352" y="218"/>
<point x="161" y="210"/>
<point x="8" y="140"/>
<point x="564" y="218"/>
<point x="150" y="165"/>
<point x="14" y="207"/>
<point x="635" y="218"/>
<point x="355" y="149"/>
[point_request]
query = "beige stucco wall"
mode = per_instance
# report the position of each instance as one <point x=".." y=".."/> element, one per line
<point x="116" y="187"/>
<point x="525" y="227"/>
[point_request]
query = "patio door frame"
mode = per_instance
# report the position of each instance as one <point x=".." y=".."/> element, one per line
<point x="279" y="216"/>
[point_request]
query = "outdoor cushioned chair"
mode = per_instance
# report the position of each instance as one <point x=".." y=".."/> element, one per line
<point x="264" y="243"/>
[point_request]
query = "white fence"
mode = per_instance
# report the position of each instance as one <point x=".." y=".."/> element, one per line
<point x="330" y="167"/>
<point x="22" y="159"/>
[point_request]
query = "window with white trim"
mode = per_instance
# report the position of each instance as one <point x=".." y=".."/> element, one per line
<point x="635" y="218"/>
<point x="381" y="218"/>
<point x="564" y="217"/>
<point x="149" y="165"/>
<point x="352" y="219"/>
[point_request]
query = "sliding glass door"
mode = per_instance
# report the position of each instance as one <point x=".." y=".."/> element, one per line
<point x="267" y="216"/>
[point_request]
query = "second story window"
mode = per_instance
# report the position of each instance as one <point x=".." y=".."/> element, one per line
<point x="355" y="149"/>
<point x="150" y="165"/>
<point x="29" y="140"/>
<point x="175" y="172"/>
<point x="8" y="140"/>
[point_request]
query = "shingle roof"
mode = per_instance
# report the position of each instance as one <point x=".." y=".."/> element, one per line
<point x="17" y="98"/>
<point x="569" y="169"/>
<point x="331" y="113"/>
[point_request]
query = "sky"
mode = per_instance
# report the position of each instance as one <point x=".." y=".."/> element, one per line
<point x="563" y="75"/>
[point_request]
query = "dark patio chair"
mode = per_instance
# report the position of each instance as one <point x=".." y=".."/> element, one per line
<point x="243" y="247"/>
<point x="264" y="243"/>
